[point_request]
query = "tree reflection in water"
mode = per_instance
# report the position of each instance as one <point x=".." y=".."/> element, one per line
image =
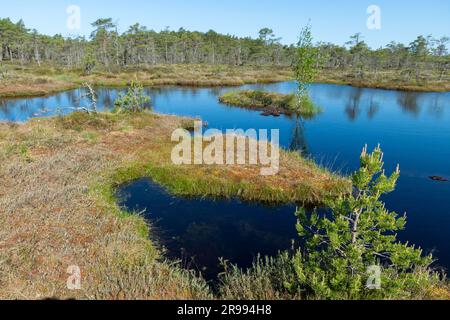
<point x="353" y="107"/>
<point x="408" y="102"/>
<point x="299" y="142"/>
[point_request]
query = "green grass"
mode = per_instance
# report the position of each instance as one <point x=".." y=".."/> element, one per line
<point x="271" y="103"/>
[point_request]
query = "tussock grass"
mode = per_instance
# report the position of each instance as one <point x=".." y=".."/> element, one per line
<point x="275" y="103"/>
<point x="271" y="103"/>
<point x="265" y="280"/>
<point x="58" y="180"/>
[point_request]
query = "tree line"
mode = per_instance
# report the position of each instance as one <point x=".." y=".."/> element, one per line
<point x="108" y="49"/>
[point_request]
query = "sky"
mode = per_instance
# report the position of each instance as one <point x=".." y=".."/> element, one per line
<point x="331" y="20"/>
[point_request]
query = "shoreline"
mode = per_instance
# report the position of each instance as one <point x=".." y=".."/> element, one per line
<point x="43" y="94"/>
<point x="30" y="83"/>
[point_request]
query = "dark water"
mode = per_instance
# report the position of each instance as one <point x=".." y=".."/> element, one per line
<point x="200" y="231"/>
<point x="413" y="129"/>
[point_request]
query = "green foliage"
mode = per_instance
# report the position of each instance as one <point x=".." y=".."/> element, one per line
<point x="89" y="62"/>
<point x="304" y="107"/>
<point x="306" y="60"/>
<point x="139" y="46"/>
<point x="357" y="233"/>
<point x="342" y="250"/>
<point x="419" y="47"/>
<point x="135" y="100"/>
<point x="305" y="69"/>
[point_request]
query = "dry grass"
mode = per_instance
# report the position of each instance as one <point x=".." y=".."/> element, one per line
<point x="33" y="81"/>
<point x="23" y="81"/>
<point x="57" y="207"/>
<point x="391" y="80"/>
<point x="51" y="219"/>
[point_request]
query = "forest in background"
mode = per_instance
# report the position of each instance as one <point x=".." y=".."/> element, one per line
<point x="425" y="58"/>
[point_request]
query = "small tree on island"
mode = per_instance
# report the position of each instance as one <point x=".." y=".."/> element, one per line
<point x="135" y="100"/>
<point x="358" y="233"/>
<point x="305" y="69"/>
<point x="305" y="66"/>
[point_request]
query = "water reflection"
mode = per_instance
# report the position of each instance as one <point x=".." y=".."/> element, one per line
<point x="374" y="107"/>
<point x="353" y="107"/>
<point x="298" y="142"/>
<point x="357" y="100"/>
<point x="200" y="232"/>
<point x="408" y="102"/>
<point x="436" y="107"/>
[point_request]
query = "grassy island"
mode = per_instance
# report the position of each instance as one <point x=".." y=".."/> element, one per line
<point x="269" y="103"/>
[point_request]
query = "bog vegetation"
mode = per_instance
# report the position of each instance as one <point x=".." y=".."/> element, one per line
<point x="71" y="215"/>
<point x="269" y="102"/>
<point x="350" y="249"/>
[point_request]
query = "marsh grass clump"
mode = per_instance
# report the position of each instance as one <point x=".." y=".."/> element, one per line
<point x="139" y="275"/>
<point x="271" y="103"/>
<point x="304" y="107"/>
<point x="189" y="124"/>
<point x="265" y="280"/>
<point x="268" y="102"/>
<point x="79" y="121"/>
<point x="258" y="99"/>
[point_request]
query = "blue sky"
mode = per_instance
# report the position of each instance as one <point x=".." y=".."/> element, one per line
<point x="332" y="20"/>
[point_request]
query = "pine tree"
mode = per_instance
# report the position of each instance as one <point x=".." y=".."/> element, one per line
<point x="135" y="100"/>
<point x="357" y="233"/>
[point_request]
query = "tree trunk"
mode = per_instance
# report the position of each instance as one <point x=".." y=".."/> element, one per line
<point x="10" y="54"/>
<point x="37" y="56"/>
